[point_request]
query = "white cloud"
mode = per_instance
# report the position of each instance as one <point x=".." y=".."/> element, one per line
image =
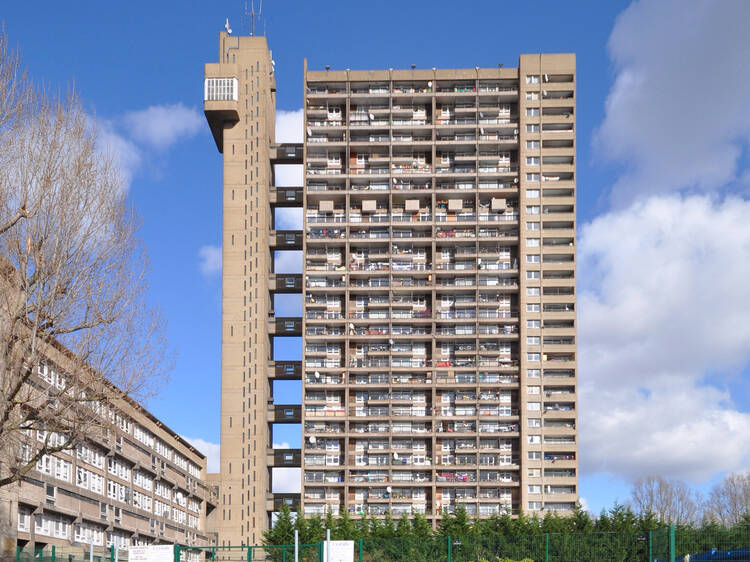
<point x="123" y="150"/>
<point x="289" y="218"/>
<point x="288" y="129"/>
<point x="210" y="260"/>
<point x="665" y="304"/>
<point x="282" y="445"/>
<point x="160" y="126"/>
<point x="211" y="450"/>
<point x="677" y="112"/>
<point x="289" y="125"/>
<point x="286" y="480"/>
<point x="288" y="261"/>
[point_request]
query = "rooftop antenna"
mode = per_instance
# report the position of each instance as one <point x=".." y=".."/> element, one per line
<point x="226" y="26"/>
<point x="252" y="18"/>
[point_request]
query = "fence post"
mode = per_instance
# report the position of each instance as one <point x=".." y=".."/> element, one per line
<point x="450" y="549"/>
<point x="283" y="553"/>
<point x="671" y="544"/>
<point x="360" y="550"/>
<point x="53" y="553"/>
<point x="249" y="553"/>
<point x="546" y="547"/>
<point x="177" y="553"/>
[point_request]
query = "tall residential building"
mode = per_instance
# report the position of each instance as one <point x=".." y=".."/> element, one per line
<point x="240" y="106"/>
<point x="439" y="312"/>
<point x="438" y="322"/>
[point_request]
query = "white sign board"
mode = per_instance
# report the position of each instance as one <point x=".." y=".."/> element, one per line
<point x="341" y="551"/>
<point x="154" y="553"/>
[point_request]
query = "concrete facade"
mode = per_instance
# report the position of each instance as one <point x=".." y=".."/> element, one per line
<point x="439" y="280"/>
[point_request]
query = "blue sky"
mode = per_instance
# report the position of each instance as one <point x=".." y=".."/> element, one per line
<point x="664" y="217"/>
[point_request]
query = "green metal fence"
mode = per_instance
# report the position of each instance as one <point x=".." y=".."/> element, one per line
<point x="714" y="544"/>
<point x="666" y="544"/>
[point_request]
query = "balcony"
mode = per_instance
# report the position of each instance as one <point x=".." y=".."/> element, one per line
<point x="285" y="370"/>
<point x="285" y="196"/>
<point x="219" y="102"/>
<point x="284" y="458"/>
<point x="286" y="239"/>
<point x="285" y="283"/>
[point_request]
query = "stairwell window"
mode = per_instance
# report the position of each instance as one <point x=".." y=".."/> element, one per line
<point x="532" y="112"/>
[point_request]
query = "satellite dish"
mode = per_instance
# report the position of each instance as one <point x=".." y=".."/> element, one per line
<point x="395" y="455"/>
<point x="390" y="341"/>
<point x="309" y="131"/>
<point x="226" y="26"/>
<point x="317" y="374"/>
<point x="351" y="326"/>
<point x="372" y="116"/>
<point x="481" y="130"/>
<point x="394" y="180"/>
<point x="313" y="439"/>
<point x="429" y="84"/>
<point x="389" y="489"/>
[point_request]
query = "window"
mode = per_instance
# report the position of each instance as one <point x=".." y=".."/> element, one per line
<point x="532" y="340"/>
<point x="220" y="89"/>
<point x="534" y="422"/>
<point x="533" y="324"/>
<point x="535" y="506"/>
<point x="532" y="275"/>
<point x="533" y="373"/>
<point x="532" y="258"/>
<point x="532" y="193"/>
<point x="531" y="96"/>
<point x="534" y="406"/>
<point x="24" y="519"/>
<point x="532" y="307"/>
<point x="534" y="473"/>
<point x="532" y="143"/>
<point x="532" y="209"/>
<point x="533" y="357"/>
<point x="534" y="389"/>
<point x="532" y="128"/>
<point x="532" y="79"/>
<point x="535" y="489"/>
<point x="532" y="291"/>
<point x="532" y="177"/>
<point x="532" y="242"/>
<point x="532" y="112"/>
<point x="532" y="160"/>
<point x="532" y="225"/>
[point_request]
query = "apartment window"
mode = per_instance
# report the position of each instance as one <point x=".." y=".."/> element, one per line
<point x="532" y="242"/>
<point x="532" y="144"/>
<point x="534" y="473"/>
<point x="532" y="340"/>
<point x="534" y="389"/>
<point x="534" y="422"/>
<point x="535" y="506"/>
<point x="532" y="177"/>
<point x="533" y="324"/>
<point x="532" y="112"/>
<point x="532" y="160"/>
<point x="532" y="209"/>
<point x="532" y="128"/>
<point x="532" y="291"/>
<point x="535" y="489"/>
<point x="534" y="455"/>
<point x="532" y="79"/>
<point x="533" y="373"/>
<point x="533" y="275"/>
<point x="532" y="226"/>
<point x="532" y="194"/>
<point x="532" y="307"/>
<point x="533" y="357"/>
<point x="532" y="258"/>
<point x="531" y="96"/>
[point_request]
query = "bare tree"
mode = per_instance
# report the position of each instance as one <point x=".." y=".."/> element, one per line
<point x="729" y="501"/>
<point x="671" y="501"/>
<point x="77" y="337"/>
